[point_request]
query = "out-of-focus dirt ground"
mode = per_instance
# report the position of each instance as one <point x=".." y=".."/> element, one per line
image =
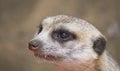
<point x="19" y="18"/>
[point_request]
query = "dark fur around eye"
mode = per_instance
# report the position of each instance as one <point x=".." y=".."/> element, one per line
<point x="62" y="35"/>
<point x="99" y="45"/>
<point x="40" y="28"/>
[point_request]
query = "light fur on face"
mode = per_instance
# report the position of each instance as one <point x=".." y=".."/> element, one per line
<point x="72" y="44"/>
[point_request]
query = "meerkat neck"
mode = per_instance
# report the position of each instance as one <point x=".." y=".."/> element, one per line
<point x="103" y="63"/>
<point x="107" y="63"/>
<point x="78" y="66"/>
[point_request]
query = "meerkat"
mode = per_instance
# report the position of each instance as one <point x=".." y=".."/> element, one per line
<point x="71" y="44"/>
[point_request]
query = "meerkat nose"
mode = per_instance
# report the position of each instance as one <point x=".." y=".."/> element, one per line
<point x="34" y="45"/>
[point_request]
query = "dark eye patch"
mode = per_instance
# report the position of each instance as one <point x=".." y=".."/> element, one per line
<point x="40" y="28"/>
<point x="63" y="35"/>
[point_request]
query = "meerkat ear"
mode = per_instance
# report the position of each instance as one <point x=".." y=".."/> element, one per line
<point x="99" y="45"/>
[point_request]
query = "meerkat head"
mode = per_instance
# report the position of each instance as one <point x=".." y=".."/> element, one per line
<point x="65" y="38"/>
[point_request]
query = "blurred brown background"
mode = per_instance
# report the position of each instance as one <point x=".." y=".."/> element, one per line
<point x="19" y="18"/>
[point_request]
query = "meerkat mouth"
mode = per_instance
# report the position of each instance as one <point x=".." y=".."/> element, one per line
<point x="47" y="57"/>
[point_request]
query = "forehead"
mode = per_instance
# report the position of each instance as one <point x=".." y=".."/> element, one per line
<point x="58" y="19"/>
<point x="70" y="23"/>
<point x="62" y="21"/>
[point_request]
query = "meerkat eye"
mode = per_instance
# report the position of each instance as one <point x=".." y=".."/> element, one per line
<point x="40" y="28"/>
<point x="62" y="36"/>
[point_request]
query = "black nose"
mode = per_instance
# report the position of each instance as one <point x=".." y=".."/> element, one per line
<point x="34" y="45"/>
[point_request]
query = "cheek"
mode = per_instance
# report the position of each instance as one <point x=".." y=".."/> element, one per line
<point x="55" y="49"/>
<point x="80" y="51"/>
<point x="50" y="47"/>
<point x="63" y="51"/>
<point x="84" y="54"/>
<point x="75" y="45"/>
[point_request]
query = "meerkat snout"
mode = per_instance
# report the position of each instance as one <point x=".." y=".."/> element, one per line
<point x="34" y="45"/>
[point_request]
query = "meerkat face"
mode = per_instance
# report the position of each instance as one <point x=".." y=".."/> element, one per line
<point x="64" y="38"/>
